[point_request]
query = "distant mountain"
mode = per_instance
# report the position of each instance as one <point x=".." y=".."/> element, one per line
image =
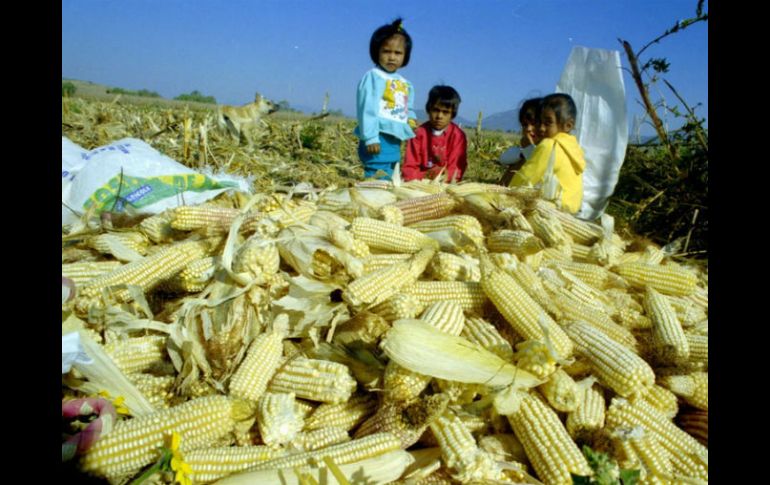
<point x="505" y="121"/>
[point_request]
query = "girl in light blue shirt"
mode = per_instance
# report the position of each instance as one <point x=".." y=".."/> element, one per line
<point x="384" y="101"/>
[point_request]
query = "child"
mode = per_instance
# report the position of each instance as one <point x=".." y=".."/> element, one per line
<point x="515" y="157"/>
<point x="557" y="116"/>
<point x="439" y="144"/>
<point x="384" y="101"/>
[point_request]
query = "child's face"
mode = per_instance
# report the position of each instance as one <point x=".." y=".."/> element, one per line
<point x="529" y="129"/>
<point x="549" y="126"/>
<point x="392" y="53"/>
<point x="440" y="115"/>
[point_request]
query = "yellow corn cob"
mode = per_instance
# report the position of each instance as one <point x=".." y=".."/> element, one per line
<point x="654" y="458"/>
<point x="319" y="438"/>
<point x="398" y="306"/>
<point x="666" y="279"/>
<point x="588" y="294"/>
<point x="348" y="452"/>
<point x="449" y="267"/>
<point x="137" y="442"/>
<point x="632" y="319"/>
<point x="520" y="310"/>
<point x="534" y="356"/>
<point x="390" y="237"/>
<point x="671" y="346"/>
<point x="561" y="253"/>
<point x="85" y="271"/>
<point x="257" y="257"/>
<point x="406" y="420"/>
<point x="137" y="354"/>
<point x="190" y="218"/>
<point x="314" y="380"/>
<point x="258" y="367"/>
<point x="147" y="272"/>
<point x="132" y="240"/>
<point x="304" y="408"/>
<point x="376" y="287"/>
<point x="365" y="327"/>
<point x="663" y="400"/>
<point x="345" y="415"/>
<point x="588" y="416"/>
<point x="520" y="243"/>
<point x="561" y="391"/>
<point x="467" y="293"/>
<point x="211" y="464"/>
<point x="550" y="450"/>
<point x="485" y="334"/>
<point x="526" y="277"/>
<point x="699" y="351"/>
<point x="157" y="389"/>
<point x="582" y="254"/>
<point x="687" y="311"/>
<point x="373" y="262"/>
<point x="467" y="225"/>
<point x="695" y="422"/>
<point x="466" y="188"/>
<point x="591" y="274"/>
<point x="460" y="452"/>
<point x="446" y="316"/>
<point x="700" y="297"/>
<point x="158" y="228"/>
<point x="616" y="366"/>
<point x="421" y="208"/>
<point x="652" y="255"/>
<point x="548" y="228"/>
<point x="581" y="232"/>
<point x="194" y="277"/>
<point x="688" y="456"/>
<point x="277" y="418"/>
<point x="693" y="388"/>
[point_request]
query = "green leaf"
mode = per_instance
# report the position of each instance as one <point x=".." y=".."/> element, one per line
<point x="580" y="480"/>
<point x="629" y="477"/>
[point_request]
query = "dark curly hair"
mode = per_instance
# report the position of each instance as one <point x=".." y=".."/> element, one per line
<point x="444" y="95"/>
<point x="386" y="32"/>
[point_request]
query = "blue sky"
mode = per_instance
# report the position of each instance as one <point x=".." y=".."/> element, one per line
<point x="494" y="52"/>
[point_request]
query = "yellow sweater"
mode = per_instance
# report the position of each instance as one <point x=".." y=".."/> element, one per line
<point x="568" y="168"/>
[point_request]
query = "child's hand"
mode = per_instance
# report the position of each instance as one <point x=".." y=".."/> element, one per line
<point x="373" y="149"/>
<point x="526" y="140"/>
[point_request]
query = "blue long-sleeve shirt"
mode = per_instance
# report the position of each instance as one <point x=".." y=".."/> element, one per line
<point x="384" y="103"/>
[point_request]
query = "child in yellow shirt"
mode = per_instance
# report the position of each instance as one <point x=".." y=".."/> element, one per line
<point x="557" y="115"/>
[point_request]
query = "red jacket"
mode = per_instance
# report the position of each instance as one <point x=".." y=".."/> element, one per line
<point x="427" y="154"/>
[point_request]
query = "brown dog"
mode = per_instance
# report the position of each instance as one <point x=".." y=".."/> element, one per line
<point x="239" y="120"/>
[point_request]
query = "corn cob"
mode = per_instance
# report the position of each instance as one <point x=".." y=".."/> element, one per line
<point x="460" y="451"/>
<point x="346" y="415"/>
<point x="425" y="185"/>
<point x="699" y="351"/>
<point x="449" y="267"/>
<point x="378" y="286"/>
<point x="257" y="257"/>
<point x="561" y="391"/>
<point x="136" y="442"/>
<point x="364" y="327"/>
<point x="549" y="448"/>
<point x="466" y="188"/>
<point x="663" y="400"/>
<point x="80" y="273"/>
<point x="467" y="293"/>
<point x="652" y="255"/>
<point x="398" y="306"/>
<point x="588" y="416"/>
<point x="314" y="380"/>
<point x="406" y="420"/>
<point x="147" y="272"/>
<point x="561" y="253"/>
<point x="581" y="232"/>
<point x="687" y="311"/>
<point x="666" y="279"/>
<point x="348" y="452"/>
<point x="632" y="319"/>
<point x="695" y="422"/>
<point x="373" y="262"/>
<point x="137" y="354"/>
<point x="693" y="388"/>
<point x="157" y="389"/>
<point x="194" y="277"/>
<point x="534" y="356"/>
<point x="654" y="459"/>
<point x="485" y="334"/>
<point x="591" y="274"/>
<point x="671" y="346"/>
<point x="135" y="241"/>
<point x="548" y="228"/>
<point x="421" y="208"/>
<point x="319" y="438"/>
<point x="193" y="217"/>
<point x="520" y="310"/>
<point x="304" y="408"/>
<point x="616" y="366"/>
<point x="277" y="418"/>
<point x="466" y="225"/>
<point x="446" y="316"/>
<point x="158" y="228"/>
<point x="528" y="280"/>
<point x="211" y="464"/>
<point x="390" y="237"/>
<point x="258" y="367"/>
<point x="582" y="254"/>
<point x="503" y="447"/>
<point x="520" y="243"/>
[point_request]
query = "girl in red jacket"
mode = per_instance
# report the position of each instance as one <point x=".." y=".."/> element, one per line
<point x="439" y="144"/>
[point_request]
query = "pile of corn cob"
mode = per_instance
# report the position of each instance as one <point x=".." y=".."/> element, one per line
<point x="419" y="333"/>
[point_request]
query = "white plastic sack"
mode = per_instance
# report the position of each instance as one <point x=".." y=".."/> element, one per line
<point x="150" y="183"/>
<point x="72" y="352"/>
<point x="594" y="79"/>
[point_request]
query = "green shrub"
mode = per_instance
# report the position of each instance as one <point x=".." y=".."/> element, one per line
<point x="67" y="89"/>
<point x="197" y="97"/>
